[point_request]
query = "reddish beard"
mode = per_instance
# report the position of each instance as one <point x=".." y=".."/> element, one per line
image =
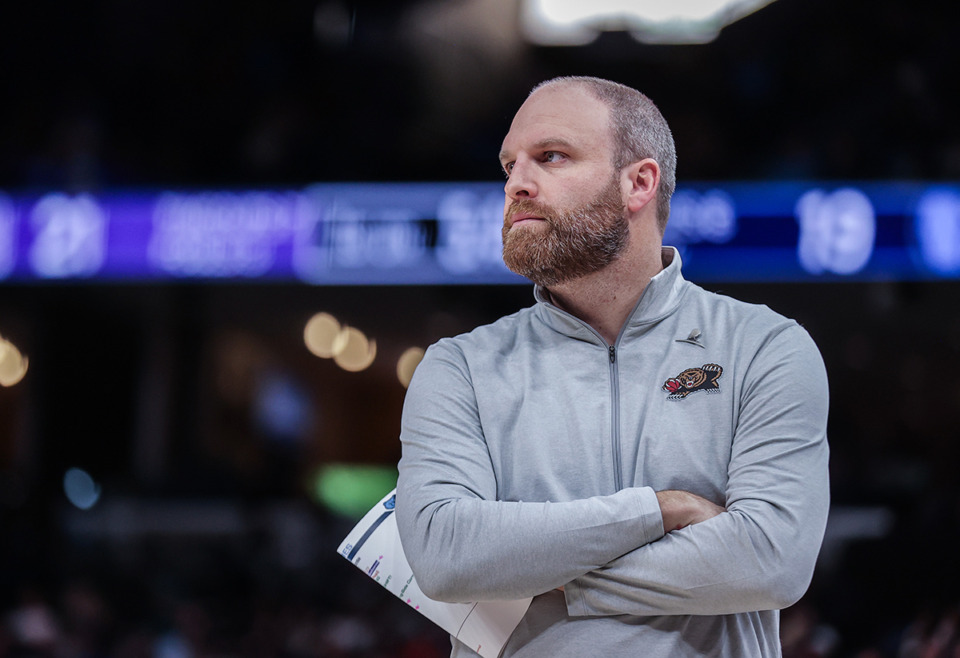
<point x="568" y="244"/>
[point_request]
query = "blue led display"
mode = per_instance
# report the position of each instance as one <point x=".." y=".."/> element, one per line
<point x="448" y="233"/>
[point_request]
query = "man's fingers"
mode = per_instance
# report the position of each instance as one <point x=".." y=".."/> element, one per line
<point x="682" y="508"/>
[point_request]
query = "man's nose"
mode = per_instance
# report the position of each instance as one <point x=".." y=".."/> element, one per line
<point x="522" y="181"/>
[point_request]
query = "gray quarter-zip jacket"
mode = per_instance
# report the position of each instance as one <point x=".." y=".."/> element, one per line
<point x="532" y="451"/>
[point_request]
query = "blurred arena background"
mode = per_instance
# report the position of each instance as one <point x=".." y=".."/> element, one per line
<point x="187" y="430"/>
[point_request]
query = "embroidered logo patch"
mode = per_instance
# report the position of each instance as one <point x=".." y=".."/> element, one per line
<point x="703" y="378"/>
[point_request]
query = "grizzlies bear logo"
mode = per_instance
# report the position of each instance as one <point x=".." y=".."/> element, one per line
<point x="703" y="378"/>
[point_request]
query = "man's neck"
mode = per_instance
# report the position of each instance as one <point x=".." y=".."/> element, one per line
<point x="605" y="299"/>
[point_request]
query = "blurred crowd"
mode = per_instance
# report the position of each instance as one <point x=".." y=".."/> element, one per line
<point x="170" y="598"/>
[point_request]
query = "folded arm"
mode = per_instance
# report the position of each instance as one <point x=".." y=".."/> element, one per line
<point x="462" y="543"/>
<point x="760" y="553"/>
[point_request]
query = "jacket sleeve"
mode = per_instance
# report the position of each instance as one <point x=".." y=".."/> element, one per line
<point x="760" y="554"/>
<point x="462" y="543"/>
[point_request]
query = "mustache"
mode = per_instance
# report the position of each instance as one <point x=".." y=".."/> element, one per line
<point x="531" y="207"/>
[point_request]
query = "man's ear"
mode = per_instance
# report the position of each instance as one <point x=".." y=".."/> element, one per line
<point x="643" y="179"/>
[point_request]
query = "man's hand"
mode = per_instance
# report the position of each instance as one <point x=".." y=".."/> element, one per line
<point x="682" y="508"/>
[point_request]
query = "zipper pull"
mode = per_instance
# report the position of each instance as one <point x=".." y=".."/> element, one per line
<point x="613" y="354"/>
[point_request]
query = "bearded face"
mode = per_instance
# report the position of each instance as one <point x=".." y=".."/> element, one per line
<point x="569" y="243"/>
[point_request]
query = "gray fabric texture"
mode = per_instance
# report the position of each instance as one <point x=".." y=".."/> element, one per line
<point x="532" y="451"/>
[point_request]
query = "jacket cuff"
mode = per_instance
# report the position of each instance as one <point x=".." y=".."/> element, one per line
<point x="650" y="515"/>
<point x="651" y="523"/>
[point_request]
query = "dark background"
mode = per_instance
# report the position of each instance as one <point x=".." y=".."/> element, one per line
<point x="179" y="92"/>
<point x="154" y="389"/>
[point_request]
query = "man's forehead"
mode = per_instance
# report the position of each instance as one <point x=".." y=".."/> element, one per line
<point x="563" y="113"/>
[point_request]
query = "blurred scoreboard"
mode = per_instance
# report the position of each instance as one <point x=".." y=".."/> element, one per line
<point x="449" y="233"/>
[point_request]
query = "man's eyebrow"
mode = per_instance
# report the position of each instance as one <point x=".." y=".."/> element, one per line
<point x="552" y="141"/>
<point x="542" y="144"/>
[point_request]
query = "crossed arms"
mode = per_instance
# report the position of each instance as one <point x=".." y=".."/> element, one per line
<point x="610" y="553"/>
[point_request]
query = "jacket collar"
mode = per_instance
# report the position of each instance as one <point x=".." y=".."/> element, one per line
<point x="659" y="299"/>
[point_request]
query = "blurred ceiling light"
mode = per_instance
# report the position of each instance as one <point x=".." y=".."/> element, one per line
<point x="320" y="335"/>
<point x="352" y="351"/>
<point x="407" y="363"/>
<point x="333" y="24"/>
<point x="576" y="23"/>
<point x="80" y="488"/>
<point x="13" y="365"/>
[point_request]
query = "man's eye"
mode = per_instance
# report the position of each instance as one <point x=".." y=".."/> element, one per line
<point x="507" y="168"/>
<point x="552" y="156"/>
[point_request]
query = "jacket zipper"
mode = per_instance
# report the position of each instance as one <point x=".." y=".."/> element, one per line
<point x="614" y="398"/>
<point x="615" y="415"/>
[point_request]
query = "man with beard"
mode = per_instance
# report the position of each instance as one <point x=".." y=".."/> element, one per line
<point x="648" y="460"/>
